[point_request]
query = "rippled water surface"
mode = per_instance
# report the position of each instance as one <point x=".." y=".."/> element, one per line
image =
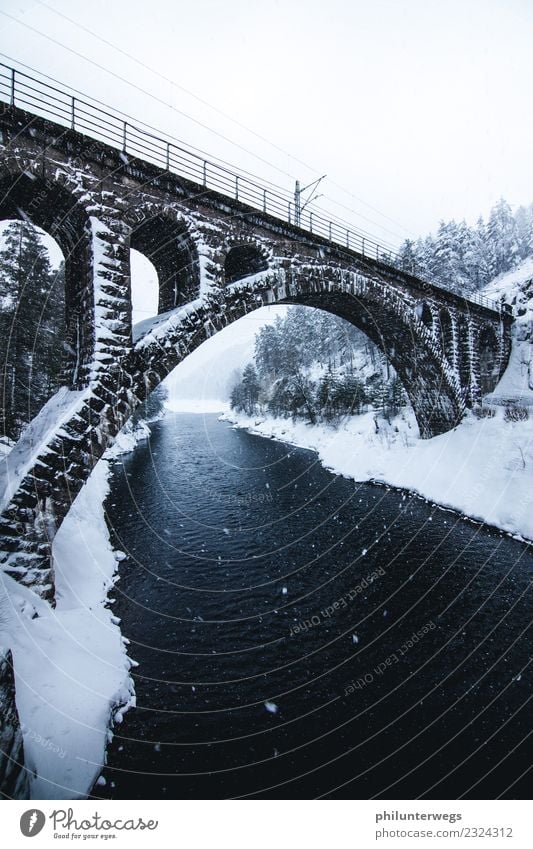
<point x="300" y="635"/>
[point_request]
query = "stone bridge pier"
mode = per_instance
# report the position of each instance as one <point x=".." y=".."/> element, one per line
<point x="216" y="259"/>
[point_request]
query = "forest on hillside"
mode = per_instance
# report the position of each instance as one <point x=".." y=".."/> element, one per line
<point x="464" y="258"/>
<point x="32" y="326"/>
<point x="314" y="366"/>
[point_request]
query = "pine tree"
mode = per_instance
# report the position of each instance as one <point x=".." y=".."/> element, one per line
<point x="31" y="326"/>
<point x="447" y="258"/>
<point x="502" y="238"/>
<point x="268" y="350"/>
<point x="524" y="230"/>
<point x="250" y="387"/>
<point x="408" y="257"/>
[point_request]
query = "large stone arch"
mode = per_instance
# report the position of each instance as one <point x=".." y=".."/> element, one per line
<point x="167" y="240"/>
<point x="53" y="208"/>
<point x="386" y="319"/>
<point x="117" y="194"/>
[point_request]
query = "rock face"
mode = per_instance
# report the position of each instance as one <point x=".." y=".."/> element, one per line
<point x="13" y="778"/>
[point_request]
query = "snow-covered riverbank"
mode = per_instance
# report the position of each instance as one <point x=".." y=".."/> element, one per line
<point x="72" y="671"/>
<point x="483" y="468"/>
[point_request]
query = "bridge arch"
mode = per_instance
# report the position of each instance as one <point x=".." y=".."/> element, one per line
<point x="425" y="314"/>
<point x="447" y="334"/>
<point x="373" y="295"/>
<point x="243" y="259"/>
<point x="166" y="241"/>
<point x="384" y="317"/>
<point x="488" y="349"/>
<point x="463" y="344"/>
<point x="53" y="208"/>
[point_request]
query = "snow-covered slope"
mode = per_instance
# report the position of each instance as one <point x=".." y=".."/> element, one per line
<point x="516" y="288"/>
<point x="15" y="463"/>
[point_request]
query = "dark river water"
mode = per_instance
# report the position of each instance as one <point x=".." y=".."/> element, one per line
<point x="299" y="635"/>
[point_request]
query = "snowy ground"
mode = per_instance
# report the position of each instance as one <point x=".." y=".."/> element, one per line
<point x="516" y="288"/>
<point x="71" y="667"/>
<point x="17" y="462"/>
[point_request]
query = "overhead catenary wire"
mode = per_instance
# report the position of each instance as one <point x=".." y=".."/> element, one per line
<point x="202" y="152"/>
<point x="330" y="229"/>
<point x="221" y="112"/>
<point x="283" y="194"/>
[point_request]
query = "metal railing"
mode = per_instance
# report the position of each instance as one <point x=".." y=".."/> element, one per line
<point x="119" y="131"/>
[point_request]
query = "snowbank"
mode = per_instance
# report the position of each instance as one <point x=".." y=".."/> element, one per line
<point x="483" y="468"/>
<point x="16" y="463"/>
<point x="72" y="672"/>
<point x="128" y="438"/>
<point x="516" y="288"/>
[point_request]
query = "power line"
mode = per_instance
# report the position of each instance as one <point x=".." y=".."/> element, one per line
<point x="142" y="124"/>
<point x="156" y="134"/>
<point x="228" y="117"/>
<point x="145" y="92"/>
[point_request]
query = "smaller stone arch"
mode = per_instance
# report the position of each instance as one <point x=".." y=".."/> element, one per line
<point x="244" y="259"/>
<point x="425" y="314"/>
<point x="464" y="355"/>
<point x="488" y="350"/>
<point x="446" y="334"/>
<point x="55" y="209"/>
<point x="167" y="242"/>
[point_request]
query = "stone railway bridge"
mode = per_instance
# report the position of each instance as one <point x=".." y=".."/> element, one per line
<point x="217" y="259"/>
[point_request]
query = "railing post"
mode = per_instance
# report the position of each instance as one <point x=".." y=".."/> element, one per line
<point x="236" y="188"/>
<point x="168" y="156"/>
<point x="12" y="86"/>
<point x="363" y="246"/>
<point x="264" y="200"/>
<point x="289" y="208"/>
<point x="377" y="252"/>
<point x="310" y="222"/>
<point x="330" y="231"/>
<point x="73" y="114"/>
<point x="124" y="138"/>
<point x="205" y="173"/>
<point x="347" y="238"/>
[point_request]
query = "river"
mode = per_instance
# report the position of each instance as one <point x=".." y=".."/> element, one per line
<point x="300" y="635"/>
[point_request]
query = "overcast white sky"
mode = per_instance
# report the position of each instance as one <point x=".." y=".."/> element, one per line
<point x="421" y="109"/>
